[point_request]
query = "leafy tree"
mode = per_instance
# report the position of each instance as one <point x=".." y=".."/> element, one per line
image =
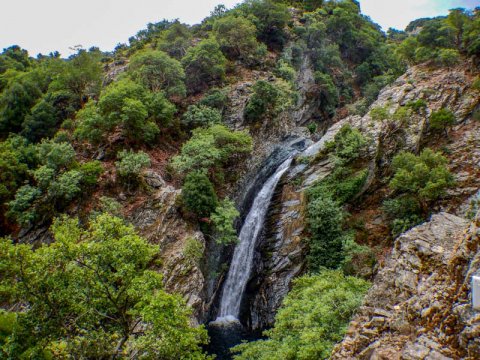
<point x="426" y="177"/>
<point x="204" y="65"/>
<point x="236" y="36"/>
<point x="81" y="76"/>
<point x="158" y="72"/>
<point x="198" y="194"/>
<point x="327" y="92"/>
<point x="448" y="57"/>
<point x="348" y="145"/>
<point x="223" y="219"/>
<point x="212" y="148"/>
<point x="130" y="164"/>
<point x="175" y="40"/>
<point x="326" y="243"/>
<point x="267" y="100"/>
<point x="87" y="292"/>
<point x="215" y="98"/>
<point x="270" y="19"/>
<point x="42" y="122"/>
<point x="126" y="106"/>
<point x="313" y="318"/>
<point x="442" y="120"/>
<point x="201" y="115"/>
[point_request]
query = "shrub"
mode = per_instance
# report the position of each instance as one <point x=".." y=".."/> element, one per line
<point x="313" y="318"/>
<point x="404" y="212"/>
<point x="348" y="145"/>
<point x="193" y="251"/>
<point x="426" y="177"/>
<point x="204" y="65"/>
<point x="158" y="72"/>
<point x="442" y="120"/>
<point x="215" y="98"/>
<point x="130" y="164"/>
<point x="103" y="271"/>
<point x="198" y="194"/>
<point x="201" y="115"/>
<point x="236" y="37"/>
<point x="212" y="148"/>
<point x="325" y="219"/>
<point x="223" y="219"/>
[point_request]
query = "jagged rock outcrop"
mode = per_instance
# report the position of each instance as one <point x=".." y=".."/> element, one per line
<point x="419" y="305"/>
<point x="281" y="254"/>
<point x="159" y="221"/>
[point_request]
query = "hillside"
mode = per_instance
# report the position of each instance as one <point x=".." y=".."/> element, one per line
<point x="284" y="165"/>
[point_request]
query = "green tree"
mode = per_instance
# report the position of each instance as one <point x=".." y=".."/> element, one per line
<point x="158" y="72"/>
<point x="88" y="291"/>
<point x="236" y="36"/>
<point x="270" y="18"/>
<point x="441" y="120"/>
<point x="175" y="40"/>
<point x="129" y="166"/>
<point x="198" y="194"/>
<point x="212" y="148"/>
<point x="204" y="65"/>
<point x="313" y="318"/>
<point x="426" y="176"/>
<point x="223" y="219"/>
<point x="201" y="115"/>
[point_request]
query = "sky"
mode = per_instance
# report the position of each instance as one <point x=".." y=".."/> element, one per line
<point x="43" y="26"/>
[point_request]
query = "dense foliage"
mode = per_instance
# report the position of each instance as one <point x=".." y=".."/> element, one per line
<point x="90" y="294"/>
<point x="314" y="317"/>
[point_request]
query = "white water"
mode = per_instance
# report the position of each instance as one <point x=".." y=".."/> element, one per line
<point x="241" y="265"/>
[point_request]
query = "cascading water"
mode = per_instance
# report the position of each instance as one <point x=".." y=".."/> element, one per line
<point x="241" y="264"/>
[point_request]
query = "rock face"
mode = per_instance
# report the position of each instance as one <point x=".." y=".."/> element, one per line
<point x="281" y="252"/>
<point x="419" y="306"/>
<point x="159" y="221"/>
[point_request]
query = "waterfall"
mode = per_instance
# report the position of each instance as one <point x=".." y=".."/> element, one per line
<point x="241" y="265"/>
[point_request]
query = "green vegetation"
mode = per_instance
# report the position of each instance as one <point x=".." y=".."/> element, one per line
<point x="204" y="65"/>
<point x="443" y="40"/>
<point x="201" y="115"/>
<point x="86" y="294"/>
<point x="158" y="72"/>
<point x="237" y="39"/>
<point x="198" y="194"/>
<point x="129" y="166"/>
<point x="418" y="181"/>
<point x="313" y="318"/>
<point x="441" y="120"/>
<point x="223" y="219"/>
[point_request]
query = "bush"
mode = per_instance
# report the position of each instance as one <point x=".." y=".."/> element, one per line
<point x="223" y="219"/>
<point x="158" y="72"/>
<point x="204" y="65"/>
<point x="426" y="177"/>
<point x="216" y="99"/>
<point x="212" y="148"/>
<point x="441" y="120"/>
<point x="404" y="213"/>
<point x="198" y="194"/>
<point x="103" y="271"/>
<point x="129" y="166"/>
<point x="193" y="251"/>
<point x="348" y="145"/>
<point x="325" y="220"/>
<point x="236" y="37"/>
<point x="313" y="318"/>
<point x="201" y="115"/>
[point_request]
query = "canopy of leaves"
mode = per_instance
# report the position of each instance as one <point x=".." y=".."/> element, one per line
<point x="158" y="72"/>
<point x="204" y="65"/>
<point x="425" y="176"/>
<point x="87" y="293"/>
<point x="198" y="194"/>
<point x="313" y="318"/>
<point x="212" y="148"/>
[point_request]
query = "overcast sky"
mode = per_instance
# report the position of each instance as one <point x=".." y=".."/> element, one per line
<point x="42" y="26"/>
